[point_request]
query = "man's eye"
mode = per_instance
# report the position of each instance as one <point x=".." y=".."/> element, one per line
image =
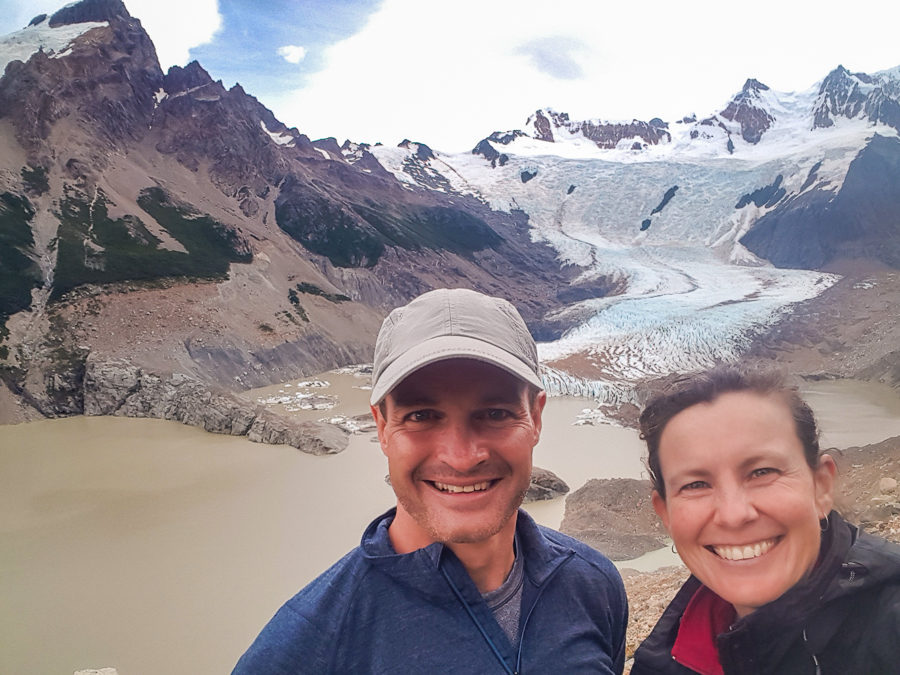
<point x="420" y="416"/>
<point x="764" y="471"/>
<point x="498" y="414"/>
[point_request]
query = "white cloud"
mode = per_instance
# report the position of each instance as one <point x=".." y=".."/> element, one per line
<point x="175" y="26"/>
<point x="449" y="74"/>
<point x="292" y="53"/>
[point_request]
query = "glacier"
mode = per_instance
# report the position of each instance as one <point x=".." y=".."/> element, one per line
<point x="664" y="222"/>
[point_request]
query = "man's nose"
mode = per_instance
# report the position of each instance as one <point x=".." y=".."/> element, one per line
<point x="461" y="447"/>
<point x="734" y="507"/>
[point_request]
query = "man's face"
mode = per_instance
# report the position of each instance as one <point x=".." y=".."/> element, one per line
<point x="458" y="435"/>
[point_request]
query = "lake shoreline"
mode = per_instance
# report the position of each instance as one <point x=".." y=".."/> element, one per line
<point x="115" y="527"/>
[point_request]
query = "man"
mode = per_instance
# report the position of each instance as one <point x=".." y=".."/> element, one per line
<point x="456" y="578"/>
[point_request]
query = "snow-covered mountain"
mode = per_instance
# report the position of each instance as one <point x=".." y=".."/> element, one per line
<point x="688" y="216"/>
<point x="634" y="248"/>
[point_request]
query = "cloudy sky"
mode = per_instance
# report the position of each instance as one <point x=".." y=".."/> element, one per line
<point x="450" y="73"/>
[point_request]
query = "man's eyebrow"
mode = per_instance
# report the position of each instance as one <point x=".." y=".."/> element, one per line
<point x="495" y="397"/>
<point x="409" y="399"/>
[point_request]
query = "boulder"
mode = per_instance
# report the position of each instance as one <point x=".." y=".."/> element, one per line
<point x="887" y="485"/>
<point x="545" y="485"/>
<point x="615" y="517"/>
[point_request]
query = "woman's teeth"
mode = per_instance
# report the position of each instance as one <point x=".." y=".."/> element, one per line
<point x="744" y="552"/>
<point x="477" y="487"/>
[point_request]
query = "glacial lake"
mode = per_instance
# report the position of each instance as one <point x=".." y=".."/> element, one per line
<point x="153" y="547"/>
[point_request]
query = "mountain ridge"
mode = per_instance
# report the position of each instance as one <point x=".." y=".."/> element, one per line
<point x="163" y="219"/>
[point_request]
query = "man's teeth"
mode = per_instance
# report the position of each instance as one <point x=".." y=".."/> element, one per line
<point x="444" y="487"/>
<point x="744" y="552"/>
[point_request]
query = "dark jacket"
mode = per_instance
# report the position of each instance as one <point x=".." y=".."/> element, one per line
<point x="376" y="611"/>
<point x="844" y="619"/>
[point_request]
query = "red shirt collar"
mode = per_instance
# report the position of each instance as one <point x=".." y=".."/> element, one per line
<point x="706" y="616"/>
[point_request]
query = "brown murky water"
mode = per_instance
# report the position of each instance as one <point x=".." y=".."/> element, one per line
<point x="157" y="548"/>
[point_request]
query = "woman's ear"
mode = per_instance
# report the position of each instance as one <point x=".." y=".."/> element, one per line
<point x="824" y="481"/>
<point x="659" y="505"/>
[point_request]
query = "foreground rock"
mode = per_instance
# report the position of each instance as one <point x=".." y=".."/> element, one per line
<point x="121" y="389"/>
<point x="867" y="484"/>
<point x="545" y="485"/>
<point x="614" y="516"/>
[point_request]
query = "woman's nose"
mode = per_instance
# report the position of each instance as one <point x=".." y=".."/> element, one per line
<point x="733" y="507"/>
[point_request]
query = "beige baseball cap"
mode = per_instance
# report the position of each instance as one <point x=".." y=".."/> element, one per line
<point x="451" y="324"/>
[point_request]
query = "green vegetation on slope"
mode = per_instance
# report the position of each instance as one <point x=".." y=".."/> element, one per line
<point x="355" y="235"/>
<point x="312" y="289"/>
<point x="19" y="274"/>
<point x="94" y="248"/>
<point x="36" y="181"/>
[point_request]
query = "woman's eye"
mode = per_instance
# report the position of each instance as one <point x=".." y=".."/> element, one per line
<point x="764" y="471"/>
<point x="695" y="485"/>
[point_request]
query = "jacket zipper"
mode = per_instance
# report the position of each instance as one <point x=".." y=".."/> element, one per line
<point x="815" y="660"/>
<point x="478" y="625"/>
<point x="531" y="610"/>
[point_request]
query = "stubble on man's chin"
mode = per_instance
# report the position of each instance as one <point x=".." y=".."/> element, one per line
<point x="420" y="516"/>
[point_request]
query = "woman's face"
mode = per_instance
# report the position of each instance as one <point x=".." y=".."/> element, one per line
<point x="742" y="505"/>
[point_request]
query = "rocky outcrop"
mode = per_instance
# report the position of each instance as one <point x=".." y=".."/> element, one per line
<point x="545" y="485"/>
<point x="819" y="226"/>
<point x="867" y="482"/>
<point x="491" y="154"/>
<point x="107" y="89"/>
<point x="615" y="517"/>
<point x="125" y="390"/>
<point x="606" y="135"/>
<point x="748" y="110"/>
<point x="851" y="95"/>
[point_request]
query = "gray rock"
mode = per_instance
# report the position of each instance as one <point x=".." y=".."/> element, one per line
<point x="887" y="485"/>
<point x="615" y="517"/>
<point x="122" y="389"/>
<point x="545" y="485"/>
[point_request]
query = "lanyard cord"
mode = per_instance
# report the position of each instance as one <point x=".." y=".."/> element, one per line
<point x="478" y="625"/>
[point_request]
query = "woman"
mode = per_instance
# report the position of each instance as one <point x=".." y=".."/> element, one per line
<point x="780" y="583"/>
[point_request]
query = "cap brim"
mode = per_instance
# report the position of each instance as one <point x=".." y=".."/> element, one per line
<point x="449" y="347"/>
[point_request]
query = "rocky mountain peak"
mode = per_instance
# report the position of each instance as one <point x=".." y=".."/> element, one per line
<point x="606" y="135"/>
<point x="853" y="95"/>
<point x="89" y="10"/>
<point x="179" y="80"/>
<point x="95" y="93"/>
<point x="749" y="110"/>
<point x="543" y="130"/>
<point x="752" y="84"/>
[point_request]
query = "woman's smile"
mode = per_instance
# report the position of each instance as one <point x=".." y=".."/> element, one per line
<point x="746" y="551"/>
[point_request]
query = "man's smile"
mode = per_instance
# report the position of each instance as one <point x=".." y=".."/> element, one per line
<point x="455" y="489"/>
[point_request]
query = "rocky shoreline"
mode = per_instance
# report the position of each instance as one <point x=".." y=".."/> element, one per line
<point x="121" y="389"/>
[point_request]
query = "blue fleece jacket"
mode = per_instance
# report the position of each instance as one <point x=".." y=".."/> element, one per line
<point x="376" y="611"/>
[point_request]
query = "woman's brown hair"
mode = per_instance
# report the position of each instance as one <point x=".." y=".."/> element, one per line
<point x="706" y="387"/>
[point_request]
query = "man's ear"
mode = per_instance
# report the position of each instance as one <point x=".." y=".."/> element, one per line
<point x="380" y="424"/>
<point x="537" y="411"/>
<point x="659" y="505"/>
